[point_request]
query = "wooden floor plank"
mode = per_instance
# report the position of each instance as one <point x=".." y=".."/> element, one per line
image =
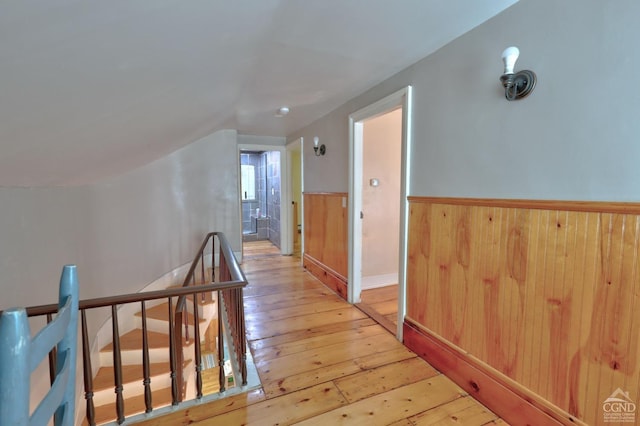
<point x="380" y="294"/>
<point x="296" y="335"/>
<point x="297" y="310"/>
<point x="295" y="297"/>
<point x="283" y="410"/>
<point x="463" y="411"/>
<point x="207" y="411"/>
<point x="335" y="371"/>
<point x="260" y="330"/>
<point x="403" y="422"/>
<point x="315" y="342"/>
<point x="382" y="305"/>
<point x="296" y="382"/>
<point x="386" y="307"/>
<point x="381" y="379"/>
<point x="323" y="357"/>
<point x="392" y="406"/>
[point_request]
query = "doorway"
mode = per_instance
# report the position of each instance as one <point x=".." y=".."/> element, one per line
<point x="378" y="210"/>
<point x="263" y="194"/>
<point x="296" y="182"/>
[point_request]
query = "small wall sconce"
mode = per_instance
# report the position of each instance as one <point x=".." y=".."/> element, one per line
<point x="321" y="148"/>
<point x="516" y="85"/>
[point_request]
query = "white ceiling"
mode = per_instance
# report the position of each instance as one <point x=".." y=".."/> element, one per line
<point x="90" y="89"/>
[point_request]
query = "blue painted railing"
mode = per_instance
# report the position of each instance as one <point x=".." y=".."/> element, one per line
<point x="20" y="355"/>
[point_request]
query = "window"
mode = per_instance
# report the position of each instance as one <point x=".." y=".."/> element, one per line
<point x="248" y="181"/>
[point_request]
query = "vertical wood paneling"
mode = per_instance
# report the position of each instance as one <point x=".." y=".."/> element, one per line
<point x="547" y="295"/>
<point x="325" y="230"/>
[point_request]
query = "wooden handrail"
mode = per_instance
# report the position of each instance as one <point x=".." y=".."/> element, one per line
<point x="122" y="299"/>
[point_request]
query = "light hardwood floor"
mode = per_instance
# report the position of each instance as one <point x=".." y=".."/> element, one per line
<point x="324" y="362"/>
<point x="381" y="304"/>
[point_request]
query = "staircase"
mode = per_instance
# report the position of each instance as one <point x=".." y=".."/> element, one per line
<point x="158" y="340"/>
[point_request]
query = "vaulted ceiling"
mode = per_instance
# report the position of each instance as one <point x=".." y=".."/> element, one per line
<point x="89" y="89"/>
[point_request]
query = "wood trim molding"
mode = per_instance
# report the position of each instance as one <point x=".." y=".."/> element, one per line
<point x="501" y="395"/>
<point x="579" y="206"/>
<point x="326" y="275"/>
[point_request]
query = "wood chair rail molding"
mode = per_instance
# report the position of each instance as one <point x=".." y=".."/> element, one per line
<point x="565" y="205"/>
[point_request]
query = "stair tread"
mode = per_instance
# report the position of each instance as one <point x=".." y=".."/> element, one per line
<point x="133" y="340"/>
<point x="130" y="374"/>
<point x="133" y="405"/>
<point x="161" y="312"/>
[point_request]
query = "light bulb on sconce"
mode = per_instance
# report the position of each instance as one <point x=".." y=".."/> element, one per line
<point x="509" y="57"/>
<point x="322" y="149"/>
<point x="517" y="85"/>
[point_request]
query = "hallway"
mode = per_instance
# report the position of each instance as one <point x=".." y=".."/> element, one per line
<point x="324" y="362"/>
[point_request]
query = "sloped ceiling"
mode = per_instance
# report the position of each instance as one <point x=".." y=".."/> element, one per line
<point x="90" y="89"/>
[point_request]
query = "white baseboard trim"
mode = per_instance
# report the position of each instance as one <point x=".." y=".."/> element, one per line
<point x="377" y="281"/>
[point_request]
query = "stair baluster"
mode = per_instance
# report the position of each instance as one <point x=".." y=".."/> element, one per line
<point x="145" y="362"/>
<point x="87" y="371"/>
<point x="221" y="376"/>
<point x="117" y="365"/>
<point x="242" y="332"/>
<point x="173" y="351"/>
<point x="203" y="280"/>
<point x="198" y="352"/>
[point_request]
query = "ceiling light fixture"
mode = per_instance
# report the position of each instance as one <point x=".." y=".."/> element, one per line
<point x="516" y="85"/>
<point x="282" y="111"/>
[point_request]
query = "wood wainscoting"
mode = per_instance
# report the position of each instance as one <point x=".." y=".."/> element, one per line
<point x="325" y="238"/>
<point x="540" y="297"/>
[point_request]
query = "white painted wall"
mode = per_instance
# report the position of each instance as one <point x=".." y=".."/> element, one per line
<point x="574" y="138"/>
<point x="261" y="140"/>
<point x="40" y="231"/>
<point x="164" y="210"/>
<point x="382" y="149"/>
<point x="123" y="233"/>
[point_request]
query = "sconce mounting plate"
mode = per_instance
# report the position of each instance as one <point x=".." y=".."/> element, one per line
<point x="518" y="85"/>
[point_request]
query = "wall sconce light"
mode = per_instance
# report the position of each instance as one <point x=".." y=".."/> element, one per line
<point x="516" y="85"/>
<point x="321" y="148"/>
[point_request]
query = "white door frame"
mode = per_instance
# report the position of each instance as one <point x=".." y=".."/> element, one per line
<point x="285" y="220"/>
<point x="401" y="98"/>
<point x="295" y="145"/>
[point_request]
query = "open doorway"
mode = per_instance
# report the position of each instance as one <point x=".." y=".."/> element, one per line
<point x="378" y="210"/>
<point x="294" y="151"/>
<point x="261" y="194"/>
<point x="381" y="186"/>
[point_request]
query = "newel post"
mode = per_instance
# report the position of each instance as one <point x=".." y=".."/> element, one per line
<point x="15" y="371"/>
